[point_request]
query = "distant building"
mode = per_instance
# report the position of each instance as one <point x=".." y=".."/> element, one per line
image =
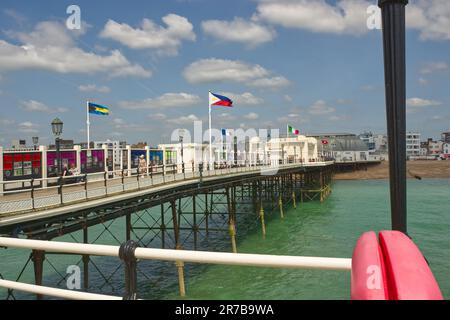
<point x="434" y="147"/>
<point x="412" y="145"/>
<point x="377" y="143"/>
<point x="139" y="145"/>
<point x="446" y="150"/>
<point x="368" y="139"/>
<point x="18" y="144"/>
<point x="63" y="144"/>
<point x="288" y="149"/>
<point x="423" y="149"/>
<point x="445" y="137"/>
<point x="115" y="150"/>
<point x="342" y="147"/>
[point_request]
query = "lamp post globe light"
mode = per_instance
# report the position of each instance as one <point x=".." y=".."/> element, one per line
<point x="57" y="128"/>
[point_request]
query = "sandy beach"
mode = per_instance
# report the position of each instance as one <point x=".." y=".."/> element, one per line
<point x="423" y="169"/>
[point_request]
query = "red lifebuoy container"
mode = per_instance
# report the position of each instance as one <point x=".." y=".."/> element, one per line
<point x="392" y="268"/>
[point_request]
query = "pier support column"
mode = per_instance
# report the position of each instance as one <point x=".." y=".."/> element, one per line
<point x="231" y="222"/>
<point x="194" y="222"/>
<point x="86" y="259"/>
<point x="294" y="201"/>
<point x="38" y="262"/>
<point x="178" y="264"/>
<point x="280" y="204"/>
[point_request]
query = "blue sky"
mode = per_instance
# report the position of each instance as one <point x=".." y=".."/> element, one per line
<point x="312" y="64"/>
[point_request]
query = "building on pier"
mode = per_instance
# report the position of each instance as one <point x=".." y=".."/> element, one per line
<point x="343" y="147"/>
<point x="286" y="149"/>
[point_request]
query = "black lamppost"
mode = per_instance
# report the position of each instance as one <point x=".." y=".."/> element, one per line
<point x="393" y="18"/>
<point x="182" y="151"/>
<point x="57" y="127"/>
<point x="35" y="142"/>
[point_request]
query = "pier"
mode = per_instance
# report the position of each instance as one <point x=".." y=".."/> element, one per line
<point x="170" y="210"/>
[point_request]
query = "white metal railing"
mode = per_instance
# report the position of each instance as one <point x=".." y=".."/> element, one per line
<point x="203" y="257"/>
<point x="56" y="191"/>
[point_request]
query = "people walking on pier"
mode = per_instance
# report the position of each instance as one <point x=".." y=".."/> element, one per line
<point x="142" y="165"/>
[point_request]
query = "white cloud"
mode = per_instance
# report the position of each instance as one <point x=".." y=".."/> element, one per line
<point x="28" y="127"/>
<point x="51" y="47"/>
<point x="346" y="17"/>
<point x="36" y="106"/>
<point x="320" y="107"/>
<point x="252" y="116"/>
<point x="184" y="119"/>
<point x="157" y="116"/>
<point x="220" y="70"/>
<point x="430" y="17"/>
<point x="222" y="117"/>
<point x="288" y="98"/>
<point x="339" y="118"/>
<point x="123" y="125"/>
<point x="167" y="100"/>
<point x="6" y="122"/>
<point x="419" y="103"/>
<point x="433" y="67"/>
<point x="94" y="88"/>
<point x="166" y="40"/>
<point x="245" y="98"/>
<point x="274" y="82"/>
<point x="239" y="30"/>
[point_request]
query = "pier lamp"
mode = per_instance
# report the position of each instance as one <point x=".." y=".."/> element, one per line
<point x="181" y="134"/>
<point x="35" y="142"/>
<point x="57" y="128"/>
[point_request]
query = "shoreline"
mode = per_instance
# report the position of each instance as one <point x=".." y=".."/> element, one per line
<point x="424" y="169"/>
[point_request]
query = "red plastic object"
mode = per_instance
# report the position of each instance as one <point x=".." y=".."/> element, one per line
<point x="393" y="269"/>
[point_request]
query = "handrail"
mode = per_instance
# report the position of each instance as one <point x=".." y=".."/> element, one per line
<point x="54" y="292"/>
<point x="238" y="259"/>
<point x="178" y="256"/>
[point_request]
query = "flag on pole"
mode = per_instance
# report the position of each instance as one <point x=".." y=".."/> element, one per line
<point x="98" y="109"/>
<point x="292" y="130"/>
<point x="226" y="132"/>
<point x="218" y="100"/>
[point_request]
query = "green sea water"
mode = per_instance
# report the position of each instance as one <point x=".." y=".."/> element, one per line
<point x="329" y="229"/>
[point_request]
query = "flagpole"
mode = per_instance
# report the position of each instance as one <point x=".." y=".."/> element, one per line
<point x="88" y="124"/>
<point x="210" y="133"/>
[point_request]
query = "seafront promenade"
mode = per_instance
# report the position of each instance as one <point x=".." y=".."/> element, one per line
<point x="426" y="169"/>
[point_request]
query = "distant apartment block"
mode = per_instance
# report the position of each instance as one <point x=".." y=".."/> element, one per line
<point x="377" y="143"/>
<point x="413" y="144"/>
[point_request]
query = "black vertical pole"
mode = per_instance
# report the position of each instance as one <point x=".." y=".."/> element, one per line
<point x="58" y="156"/>
<point x="393" y="18"/>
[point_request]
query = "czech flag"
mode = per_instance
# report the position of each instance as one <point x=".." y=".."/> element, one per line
<point x="218" y="100"/>
<point x="98" y="109"/>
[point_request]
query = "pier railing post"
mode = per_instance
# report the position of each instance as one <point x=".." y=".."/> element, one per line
<point x="393" y="19"/>
<point x="127" y="255"/>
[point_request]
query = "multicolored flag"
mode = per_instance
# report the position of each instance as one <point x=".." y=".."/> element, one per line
<point x="292" y="131"/>
<point x="98" y="109"/>
<point x="218" y="100"/>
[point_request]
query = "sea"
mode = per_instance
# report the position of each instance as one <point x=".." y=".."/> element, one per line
<point x="328" y="229"/>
